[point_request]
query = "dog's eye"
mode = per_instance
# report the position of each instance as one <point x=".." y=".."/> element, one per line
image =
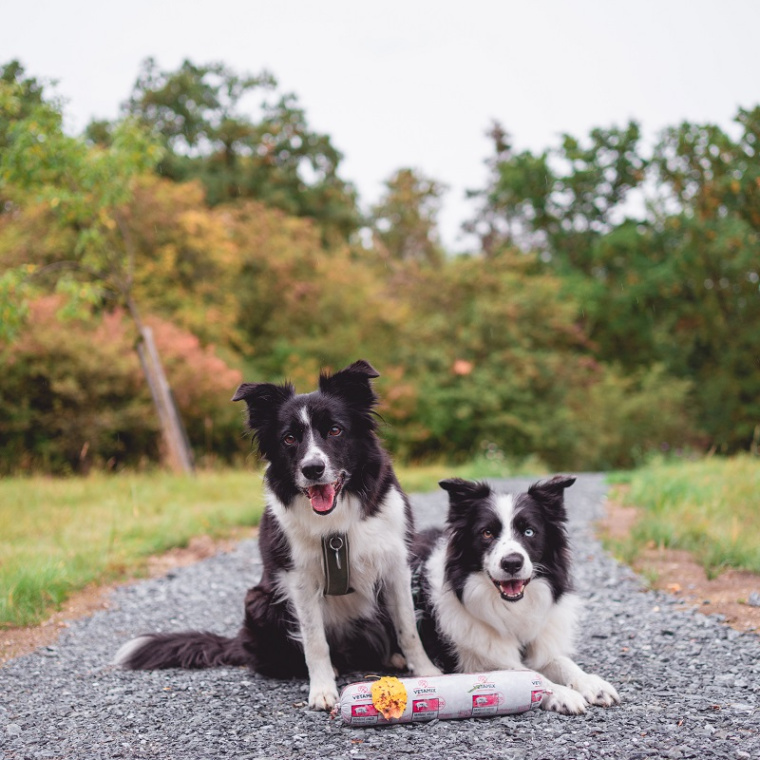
<point x="334" y="431"/>
<point x="487" y="534"/>
<point x="529" y="532"/>
<point x="289" y="439"/>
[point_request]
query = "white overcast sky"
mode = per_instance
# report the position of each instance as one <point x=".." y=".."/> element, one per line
<point x="412" y="82"/>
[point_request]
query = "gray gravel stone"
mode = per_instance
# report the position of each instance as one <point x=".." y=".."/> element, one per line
<point x="690" y="686"/>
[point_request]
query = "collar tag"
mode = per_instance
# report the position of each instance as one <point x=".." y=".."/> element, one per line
<point x="336" y="563"/>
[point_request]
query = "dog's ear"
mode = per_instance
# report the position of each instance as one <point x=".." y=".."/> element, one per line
<point x="551" y="492"/>
<point x="457" y="487"/>
<point x="264" y="401"/>
<point x="352" y="384"/>
<point x="462" y="493"/>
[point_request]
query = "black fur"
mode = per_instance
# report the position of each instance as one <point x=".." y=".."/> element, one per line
<point x="264" y="643"/>
<point x="471" y="512"/>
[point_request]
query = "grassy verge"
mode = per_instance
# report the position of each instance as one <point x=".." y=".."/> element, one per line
<point x="707" y="507"/>
<point x="58" y="536"/>
<point x="425" y="477"/>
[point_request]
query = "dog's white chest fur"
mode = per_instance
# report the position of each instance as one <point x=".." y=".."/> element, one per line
<point x="490" y="633"/>
<point x="376" y="548"/>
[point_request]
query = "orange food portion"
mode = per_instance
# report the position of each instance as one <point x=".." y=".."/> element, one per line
<point x="389" y="697"/>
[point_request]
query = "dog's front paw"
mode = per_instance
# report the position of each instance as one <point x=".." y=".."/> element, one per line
<point x="563" y="700"/>
<point x="596" y="691"/>
<point x="323" y="699"/>
<point x="426" y="669"/>
<point x="323" y="696"/>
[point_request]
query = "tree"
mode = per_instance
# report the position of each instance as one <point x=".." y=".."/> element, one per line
<point x="84" y="189"/>
<point x="302" y="307"/>
<point x="515" y="206"/>
<point x="559" y="201"/>
<point x="494" y="358"/>
<point x="405" y="219"/>
<point x="21" y="96"/>
<point x="76" y="397"/>
<point x="271" y="155"/>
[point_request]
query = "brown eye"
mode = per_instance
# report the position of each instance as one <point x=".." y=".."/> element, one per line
<point x="334" y="431"/>
<point x="488" y="535"/>
<point x="289" y="439"/>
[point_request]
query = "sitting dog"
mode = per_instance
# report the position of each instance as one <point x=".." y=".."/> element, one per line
<point x="494" y="590"/>
<point x="335" y="536"/>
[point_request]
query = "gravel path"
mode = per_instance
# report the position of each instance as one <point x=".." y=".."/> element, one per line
<point x="690" y="686"/>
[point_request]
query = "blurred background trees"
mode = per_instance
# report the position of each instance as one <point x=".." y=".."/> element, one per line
<point x="610" y="309"/>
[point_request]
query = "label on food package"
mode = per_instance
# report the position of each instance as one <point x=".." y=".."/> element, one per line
<point x="461" y="695"/>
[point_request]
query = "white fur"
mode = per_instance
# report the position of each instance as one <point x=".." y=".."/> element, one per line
<point x="313" y="454"/>
<point x="536" y="632"/>
<point x="126" y="650"/>
<point x="507" y="542"/>
<point x="377" y="552"/>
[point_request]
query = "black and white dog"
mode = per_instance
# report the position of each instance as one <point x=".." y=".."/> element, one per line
<point x="494" y="590"/>
<point x="335" y="540"/>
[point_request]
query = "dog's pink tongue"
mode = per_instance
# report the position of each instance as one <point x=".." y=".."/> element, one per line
<point x="512" y="588"/>
<point x="321" y="497"/>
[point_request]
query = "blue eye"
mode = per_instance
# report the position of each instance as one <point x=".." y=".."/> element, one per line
<point x="529" y="532"/>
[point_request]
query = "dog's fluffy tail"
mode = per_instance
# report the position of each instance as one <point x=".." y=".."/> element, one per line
<point x="189" y="650"/>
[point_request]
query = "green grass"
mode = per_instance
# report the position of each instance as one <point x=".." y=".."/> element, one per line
<point x="425" y="477"/>
<point x="709" y="507"/>
<point x="58" y="536"/>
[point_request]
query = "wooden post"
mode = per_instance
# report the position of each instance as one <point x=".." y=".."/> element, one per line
<point x="178" y="450"/>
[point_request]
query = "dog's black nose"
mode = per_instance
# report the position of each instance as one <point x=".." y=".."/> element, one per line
<point x="313" y="469"/>
<point x="512" y="563"/>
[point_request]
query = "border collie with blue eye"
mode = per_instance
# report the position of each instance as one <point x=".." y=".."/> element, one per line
<point x="335" y="537"/>
<point x="494" y="590"/>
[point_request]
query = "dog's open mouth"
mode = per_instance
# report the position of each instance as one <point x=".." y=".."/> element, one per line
<point x="324" y="496"/>
<point x="512" y="591"/>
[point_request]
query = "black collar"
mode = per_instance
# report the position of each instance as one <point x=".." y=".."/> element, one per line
<point x="336" y="563"/>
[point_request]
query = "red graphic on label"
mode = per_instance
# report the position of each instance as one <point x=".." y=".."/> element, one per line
<point x="425" y="705"/>
<point x="536" y="696"/>
<point x="481" y="701"/>
<point x="363" y="711"/>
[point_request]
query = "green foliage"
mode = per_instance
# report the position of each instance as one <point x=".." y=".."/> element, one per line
<point x="676" y="288"/>
<point x="302" y="306"/>
<point x="494" y="360"/>
<point x="13" y="306"/>
<point x="405" y="219"/>
<point x="576" y="336"/>
<point x="273" y="157"/>
<point x="79" y="190"/>
<point x="559" y="201"/>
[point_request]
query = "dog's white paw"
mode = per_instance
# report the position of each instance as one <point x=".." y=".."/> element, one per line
<point x="565" y="700"/>
<point x="426" y="670"/>
<point x="323" y="697"/>
<point x="596" y="691"/>
<point x="397" y="661"/>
